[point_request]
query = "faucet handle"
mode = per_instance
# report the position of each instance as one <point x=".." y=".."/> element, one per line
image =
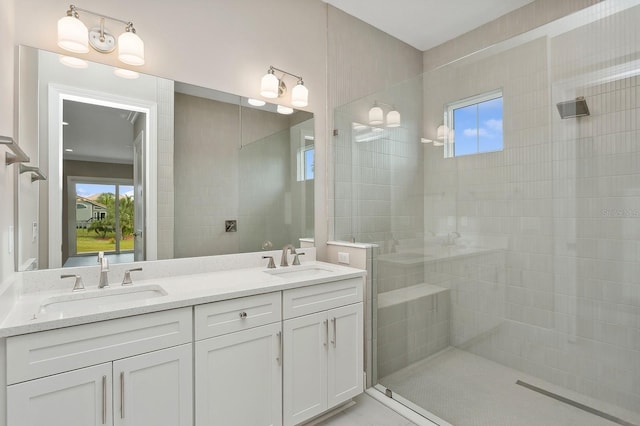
<point x="271" y="264"/>
<point x="78" y="285"/>
<point x="127" y="276"/>
<point x="296" y="261"/>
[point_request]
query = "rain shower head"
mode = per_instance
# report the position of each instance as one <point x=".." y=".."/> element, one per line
<point x="575" y="108"/>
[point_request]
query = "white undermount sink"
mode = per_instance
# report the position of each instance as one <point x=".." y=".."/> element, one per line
<point x="303" y="271"/>
<point x="92" y="299"/>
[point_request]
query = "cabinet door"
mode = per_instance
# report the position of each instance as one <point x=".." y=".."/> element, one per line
<point x="154" y="388"/>
<point x="306" y="341"/>
<point x="239" y="378"/>
<point x="76" y="398"/>
<point x="346" y="342"/>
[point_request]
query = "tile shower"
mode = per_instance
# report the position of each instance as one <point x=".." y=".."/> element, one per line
<point x="542" y="286"/>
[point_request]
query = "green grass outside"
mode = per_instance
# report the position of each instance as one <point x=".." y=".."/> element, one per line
<point x="89" y="242"/>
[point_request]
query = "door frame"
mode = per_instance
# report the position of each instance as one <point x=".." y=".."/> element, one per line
<point x="71" y="201"/>
<point x="57" y="95"/>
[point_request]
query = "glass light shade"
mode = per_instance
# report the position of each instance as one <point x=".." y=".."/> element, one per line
<point x="393" y="119"/>
<point x="73" y="35"/>
<point x="73" y="62"/>
<point x="375" y="116"/>
<point x="284" y="110"/>
<point x="300" y="96"/>
<point x="255" y="102"/>
<point x="269" y="86"/>
<point x="128" y="74"/>
<point x="131" y="48"/>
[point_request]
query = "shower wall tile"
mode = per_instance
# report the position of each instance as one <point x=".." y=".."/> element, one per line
<point x="562" y="202"/>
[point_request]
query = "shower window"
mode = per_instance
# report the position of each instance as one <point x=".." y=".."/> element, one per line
<point x="476" y="124"/>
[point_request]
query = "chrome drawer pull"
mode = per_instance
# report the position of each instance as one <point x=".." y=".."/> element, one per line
<point x="104" y="400"/>
<point x="122" y="394"/>
<point x="279" y="348"/>
<point x="335" y="336"/>
<point x="326" y="339"/>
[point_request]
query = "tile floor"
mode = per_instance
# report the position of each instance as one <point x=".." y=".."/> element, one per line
<point x="469" y="390"/>
<point x="367" y="412"/>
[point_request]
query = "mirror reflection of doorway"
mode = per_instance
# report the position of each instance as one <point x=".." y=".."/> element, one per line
<point x="104" y="220"/>
<point x="102" y="195"/>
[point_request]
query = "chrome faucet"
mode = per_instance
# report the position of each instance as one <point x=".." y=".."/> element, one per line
<point x="283" y="260"/>
<point x="104" y="268"/>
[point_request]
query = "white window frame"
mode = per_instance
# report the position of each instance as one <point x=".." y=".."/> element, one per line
<point x="309" y="144"/>
<point x="449" y="142"/>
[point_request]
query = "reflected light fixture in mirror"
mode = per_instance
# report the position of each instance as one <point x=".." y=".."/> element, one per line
<point x="73" y="62"/>
<point x="124" y="73"/>
<point x="256" y="102"/>
<point x="393" y="118"/>
<point x="74" y="36"/>
<point x="376" y="115"/>
<point x="284" y="110"/>
<point x="272" y="87"/>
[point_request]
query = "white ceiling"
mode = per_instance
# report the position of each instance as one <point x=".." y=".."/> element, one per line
<point x="98" y="133"/>
<point x="424" y="24"/>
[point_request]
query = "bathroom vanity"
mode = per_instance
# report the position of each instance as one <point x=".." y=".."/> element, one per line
<point x="248" y="346"/>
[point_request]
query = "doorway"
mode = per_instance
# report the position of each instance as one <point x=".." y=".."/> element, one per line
<point x="103" y="219"/>
<point x="103" y="187"/>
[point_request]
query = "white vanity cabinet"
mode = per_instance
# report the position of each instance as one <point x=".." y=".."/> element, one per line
<point x="323" y="348"/>
<point x="238" y="361"/>
<point x="127" y="371"/>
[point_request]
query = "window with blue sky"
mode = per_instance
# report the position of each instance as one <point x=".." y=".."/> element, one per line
<point x="477" y="124"/>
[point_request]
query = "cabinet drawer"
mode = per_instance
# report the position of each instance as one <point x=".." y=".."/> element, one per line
<point x="321" y="297"/>
<point x="50" y="352"/>
<point x="217" y="318"/>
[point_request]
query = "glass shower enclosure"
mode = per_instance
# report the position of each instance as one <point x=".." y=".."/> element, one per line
<point x="506" y="281"/>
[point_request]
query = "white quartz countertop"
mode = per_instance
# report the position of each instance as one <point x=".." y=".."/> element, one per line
<point x="26" y="315"/>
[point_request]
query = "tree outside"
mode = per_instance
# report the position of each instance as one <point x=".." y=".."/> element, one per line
<point x="104" y="230"/>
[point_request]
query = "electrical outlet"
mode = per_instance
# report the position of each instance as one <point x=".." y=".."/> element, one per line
<point x="343" y="258"/>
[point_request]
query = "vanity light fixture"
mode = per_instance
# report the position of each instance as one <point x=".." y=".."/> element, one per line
<point x="376" y="115"/>
<point x="74" y="36"/>
<point x="273" y="87"/>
